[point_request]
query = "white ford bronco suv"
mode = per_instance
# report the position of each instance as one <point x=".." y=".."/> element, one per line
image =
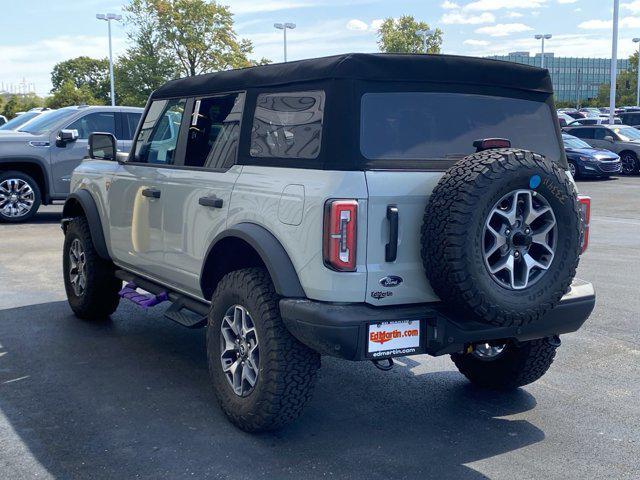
<point x="363" y="206"/>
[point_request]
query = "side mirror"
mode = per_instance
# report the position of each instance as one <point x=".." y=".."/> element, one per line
<point x="102" y="146"/>
<point x="67" y="136"/>
<point x="608" y="138"/>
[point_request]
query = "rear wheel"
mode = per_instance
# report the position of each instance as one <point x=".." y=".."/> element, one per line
<point x="262" y="375"/>
<point x="90" y="283"/>
<point x="506" y="366"/>
<point x="20" y="197"/>
<point x="629" y="163"/>
<point x="573" y="168"/>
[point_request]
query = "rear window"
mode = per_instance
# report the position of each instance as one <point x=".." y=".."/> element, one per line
<point x="288" y="125"/>
<point x="438" y="126"/>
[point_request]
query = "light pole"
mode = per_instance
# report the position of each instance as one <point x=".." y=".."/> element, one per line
<point x="544" y="37"/>
<point x="284" y="27"/>
<point x="108" y="17"/>
<point x="614" y="62"/>
<point x="637" y="40"/>
<point x="425" y="34"/>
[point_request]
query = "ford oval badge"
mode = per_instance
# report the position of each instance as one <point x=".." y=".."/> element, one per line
<point x="391" y="281"/>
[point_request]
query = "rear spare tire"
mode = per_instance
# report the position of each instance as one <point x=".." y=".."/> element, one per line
<point x="501" y="236"/>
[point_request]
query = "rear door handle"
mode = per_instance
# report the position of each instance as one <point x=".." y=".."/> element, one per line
<point x="211" y="201"/>
<point x="151" y="193"/>
<point x="391" y="249"/>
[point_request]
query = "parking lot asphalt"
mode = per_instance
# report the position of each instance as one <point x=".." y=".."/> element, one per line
<point x="130" y="397"/>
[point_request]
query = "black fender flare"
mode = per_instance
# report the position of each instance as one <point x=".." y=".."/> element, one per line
<point x="90" y="210"/>
<point x="271" y="252"/>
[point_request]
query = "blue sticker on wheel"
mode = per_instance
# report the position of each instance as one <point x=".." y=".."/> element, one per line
<point x="534" y="182"/>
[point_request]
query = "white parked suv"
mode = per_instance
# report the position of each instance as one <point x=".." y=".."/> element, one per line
<point x="360" y="206"/>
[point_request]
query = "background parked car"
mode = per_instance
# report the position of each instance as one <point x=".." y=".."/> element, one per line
<point x="37" y="160"/>
<point x="586" y="161"/>
<point x="572" y="112"/>
<point x="19" y="121"/>
<point x="621" y="139"/>
<point x="630" y="118"/>
<point x="564" y="119"/>
<point x="594" y="121"/>
<point x="590" y="112"/>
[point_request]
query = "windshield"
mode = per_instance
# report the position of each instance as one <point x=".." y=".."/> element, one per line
<point x="46" y="120"/>
<point x="627" y="134"/>
<point x="574" y="142"/>
<point x="435" y="126"/>
<point x="20" y="120"/>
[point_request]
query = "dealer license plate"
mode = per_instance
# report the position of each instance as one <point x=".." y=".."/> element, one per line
<point x="394" y="339"/>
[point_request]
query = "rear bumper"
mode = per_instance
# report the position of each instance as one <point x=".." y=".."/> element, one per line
<point x="340" y="330"/>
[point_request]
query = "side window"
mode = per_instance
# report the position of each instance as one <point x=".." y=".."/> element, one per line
<point x="583" y="133"/>
<point x="94" y="122"/>
<point x="214" y="131"/>
<point x="129" y="124"/>
<point x="600" y="133"/>
<point x="288" y="125"/>
<point x="158" y="137"/>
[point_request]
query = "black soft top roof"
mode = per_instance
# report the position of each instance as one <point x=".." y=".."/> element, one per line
<point x="443" y="69"/>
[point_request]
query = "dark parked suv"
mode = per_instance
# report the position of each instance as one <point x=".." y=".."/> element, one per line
<point x="37" y="160"/>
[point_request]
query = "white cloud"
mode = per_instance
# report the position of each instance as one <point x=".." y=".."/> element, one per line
<point x="459" y="18"/>
<point x="626" y="22"/>
<point x="567" y="1"/>
<point x="514" y="15"/>
<point x="577" y="9"/>
<point x="447" y="5"/>
<point x="633" y="7"/>
<point x="34" y="61"/>
<point x="356" y="24"/>
<point x="360" y="26"/>
<point x="484" y="5"/>
<point x="476" y="43"/>
<point x="503" y="29"/>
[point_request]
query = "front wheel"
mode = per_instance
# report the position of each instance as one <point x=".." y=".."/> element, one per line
<point x="90" y="283"/>
<point x="506" y="366"/>
<point x="262" y="375"/>
<point x="629" y="163"/>
<point x="20" y="197"/>
<point x="573" y="168"/>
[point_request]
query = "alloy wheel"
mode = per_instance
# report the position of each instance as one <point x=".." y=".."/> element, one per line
<point x="239" y="350"/>
<point x="16" y="197"/>
<point x="77" y="267"/>
<point x="520" y="237"/>
<point x="628" y="164"/>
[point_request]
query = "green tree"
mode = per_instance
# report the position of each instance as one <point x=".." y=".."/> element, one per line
<point x="82" y="72"/>
<point x="401" y="36"/>
<point x="69" y="94"/>
<point x="20" y="103"/>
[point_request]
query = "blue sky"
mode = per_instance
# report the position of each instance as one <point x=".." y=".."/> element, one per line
<point x="35" y="34"/>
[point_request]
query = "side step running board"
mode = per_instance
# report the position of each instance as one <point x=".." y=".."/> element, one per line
<point x="184" y="310"/>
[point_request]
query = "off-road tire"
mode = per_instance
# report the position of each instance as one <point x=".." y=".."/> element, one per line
<point x="453" y="226"/>
<point x="100" y="297"/>
<point x="287" y="369"/>
<point x="519" y="364"/>
<point x="36" y="194"/>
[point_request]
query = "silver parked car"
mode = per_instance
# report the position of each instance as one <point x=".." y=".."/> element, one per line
<point x="36" y="161"/>
<point x="620" y="139"/>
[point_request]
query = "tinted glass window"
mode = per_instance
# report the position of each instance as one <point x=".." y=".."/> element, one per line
<point x="573" y="142"/>
<point x="432" y="126"/>
<point x="626" y="134"/>
<point x="48" y="119"/>
<point x="600" y="133"/>
<point x="582" y="132"/>
<point x="94" y="122"/>
<point x="129" y="124"/>
<point x="214" y="131"/>
<point x="14" y="123"/>
<point x="288" y="125"/>
<point x="158" y="136"/>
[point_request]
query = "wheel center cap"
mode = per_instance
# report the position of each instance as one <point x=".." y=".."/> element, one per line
<point x="13" y="197"/>
<point x="519" y="239"/>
